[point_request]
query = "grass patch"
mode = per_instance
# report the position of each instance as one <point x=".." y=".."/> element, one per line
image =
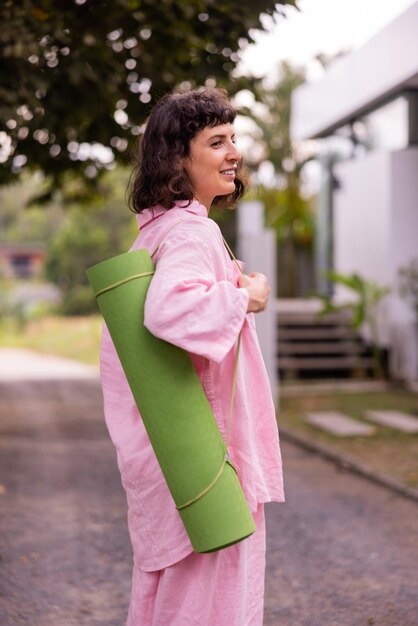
<point x="388" y="451"/>
<point x="70" y="337"/>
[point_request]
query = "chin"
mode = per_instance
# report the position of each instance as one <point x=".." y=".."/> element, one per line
<point x="227" y="190"/>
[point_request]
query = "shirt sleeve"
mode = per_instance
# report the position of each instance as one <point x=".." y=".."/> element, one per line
<point x="186" y="305"/>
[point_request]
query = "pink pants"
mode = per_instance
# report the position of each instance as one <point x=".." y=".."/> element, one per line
<point x="224" y="588"/>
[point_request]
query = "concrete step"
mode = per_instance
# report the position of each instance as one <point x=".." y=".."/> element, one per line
<point x="394" y="419"/>
<point x="309" y="344"/>
<point x="304" y="334"/>
<point x="319" y="363"/>
<point x="339" y="424"/>
<point x="327" y="385"/>
<point x="316" y="347"/>
<point x="293" y="319"/>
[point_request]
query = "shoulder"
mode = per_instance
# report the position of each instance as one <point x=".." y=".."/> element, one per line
<point x="193" y="241"/>
<point x="194" y="229"/>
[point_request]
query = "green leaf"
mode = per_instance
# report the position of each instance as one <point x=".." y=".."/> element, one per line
<point x="65" y="66"/>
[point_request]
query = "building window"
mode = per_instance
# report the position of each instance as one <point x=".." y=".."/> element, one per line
<point x="21" y="265"/>
<point x="388" y="126"/>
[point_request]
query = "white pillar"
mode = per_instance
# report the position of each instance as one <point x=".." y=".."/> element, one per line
<point x="257" y="248"/>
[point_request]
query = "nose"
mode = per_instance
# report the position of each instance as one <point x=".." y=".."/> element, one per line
<point x="234" y="154"/>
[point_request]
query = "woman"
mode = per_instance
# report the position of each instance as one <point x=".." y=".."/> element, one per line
<point x="199" y="301"/>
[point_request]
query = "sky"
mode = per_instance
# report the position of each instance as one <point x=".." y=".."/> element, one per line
<point x="321" y="26"/>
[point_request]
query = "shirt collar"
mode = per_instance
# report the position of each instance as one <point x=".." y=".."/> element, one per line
<point x="151" y="214"/>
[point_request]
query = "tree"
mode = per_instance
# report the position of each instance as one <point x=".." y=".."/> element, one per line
<point x="74" y="236"/>
<point x="85" y="236"/>
<point x="287" y="210"/>
<point x="78" y="77"/>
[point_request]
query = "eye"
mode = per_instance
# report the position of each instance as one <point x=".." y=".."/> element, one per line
<point x="216" y="143"/>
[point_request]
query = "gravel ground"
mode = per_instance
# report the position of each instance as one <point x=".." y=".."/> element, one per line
<point x="341" y="552"/>
<point x="64" y="548"/>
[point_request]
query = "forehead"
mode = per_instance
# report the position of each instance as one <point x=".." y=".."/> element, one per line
<point x="212" y="131"/>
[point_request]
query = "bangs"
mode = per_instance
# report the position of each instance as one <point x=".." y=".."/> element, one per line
<point x="200" y="109"/>
<point x="220" y="115"/>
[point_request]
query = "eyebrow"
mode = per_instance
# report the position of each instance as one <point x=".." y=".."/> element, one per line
<point x="220" y="136"/>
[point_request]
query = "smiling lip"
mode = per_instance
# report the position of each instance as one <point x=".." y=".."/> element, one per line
<point x="230" y="172"/>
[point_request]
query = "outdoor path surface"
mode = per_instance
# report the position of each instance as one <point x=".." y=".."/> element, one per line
<point x="341" y="552"/>
<point x="18" y="364"/>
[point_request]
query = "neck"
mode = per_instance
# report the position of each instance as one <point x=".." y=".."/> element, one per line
<point x="206" y="203"/>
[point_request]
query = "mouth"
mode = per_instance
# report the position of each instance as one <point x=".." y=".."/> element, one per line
<point x="230" y="172"/>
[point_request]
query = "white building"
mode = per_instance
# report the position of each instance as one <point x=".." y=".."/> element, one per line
<point x="368" y="205"/>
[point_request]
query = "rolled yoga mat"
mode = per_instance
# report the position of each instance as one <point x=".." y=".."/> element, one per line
<point x="174" y="408"/>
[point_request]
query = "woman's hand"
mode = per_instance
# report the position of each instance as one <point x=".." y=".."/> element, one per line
<point x="258" y="288"/>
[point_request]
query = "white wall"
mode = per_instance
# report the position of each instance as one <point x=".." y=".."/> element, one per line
<point x="257" y="248"/>
<point x="404" y="247"/>
<point x="404" y="204"/>
<point x="362" y="217"/>
<point x="376" y="232"/>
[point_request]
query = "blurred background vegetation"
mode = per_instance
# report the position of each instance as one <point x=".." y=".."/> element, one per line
<point x="77" y="82"/>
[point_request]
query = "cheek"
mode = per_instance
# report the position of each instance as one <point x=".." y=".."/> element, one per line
<point x="190" y="169"/>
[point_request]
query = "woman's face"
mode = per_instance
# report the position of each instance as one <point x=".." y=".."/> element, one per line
<point x="212" y="163"/>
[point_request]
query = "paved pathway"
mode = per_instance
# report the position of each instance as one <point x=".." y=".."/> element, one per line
<point x="64" y="549"/>
<point x="341" y="551"/>
<point x="17" y="364"/>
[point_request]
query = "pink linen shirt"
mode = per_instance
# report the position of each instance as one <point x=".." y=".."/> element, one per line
<point x="195" y="303"/>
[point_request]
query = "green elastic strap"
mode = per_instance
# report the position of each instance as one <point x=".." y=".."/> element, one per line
<point x="121" y="282"/>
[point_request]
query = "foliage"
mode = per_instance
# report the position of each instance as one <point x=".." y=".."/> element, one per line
<point x="75" y="236"/>
<point x="78" y="77"/>
<point x="364" y="308"/>
<point x="32" y="225"/>
<point x="87" y="235"/>
<point x="20" y="303"/>
<point x="408" y="283"/>
<point x="273" y="118"/>
<point x="288" y="211"/>
<point x="272" y="114"/>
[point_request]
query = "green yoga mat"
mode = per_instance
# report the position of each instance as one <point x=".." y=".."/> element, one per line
<point x="175" y="411"/>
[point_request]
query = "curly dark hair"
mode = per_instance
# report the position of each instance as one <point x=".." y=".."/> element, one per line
<point x="158" y="175"/>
